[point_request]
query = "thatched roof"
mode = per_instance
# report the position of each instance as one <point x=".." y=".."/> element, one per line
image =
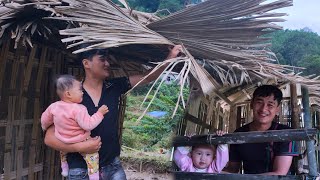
<point x="224" y="40"/>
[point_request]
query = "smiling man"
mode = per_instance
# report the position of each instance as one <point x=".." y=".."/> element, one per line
<point x="270" y="158"/>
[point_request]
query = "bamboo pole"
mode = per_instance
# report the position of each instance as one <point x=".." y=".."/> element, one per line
<point x="248" y="137"/>
<point x="295" y="123"/>
<point x="308" y="124"/>
<point x="209" y="176"/>
<point x="239" y="121"/>
<point x="294" y="106"/>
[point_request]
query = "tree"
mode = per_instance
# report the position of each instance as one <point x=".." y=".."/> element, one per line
<point x="171" y="5"/>
<point x="312" y="65"/>
<point x="154" y="5"/>
<point x="293" y="46"/>
<point x="145" y="6"/>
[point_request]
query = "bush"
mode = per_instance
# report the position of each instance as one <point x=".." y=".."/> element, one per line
<point x="153" y="132"/>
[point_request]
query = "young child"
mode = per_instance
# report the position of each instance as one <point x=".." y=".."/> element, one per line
<point x="203" y="158"/>
<point x="72" y="121"/>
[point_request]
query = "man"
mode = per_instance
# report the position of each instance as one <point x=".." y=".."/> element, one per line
<point x="269" y="158"/>
<point x="98" y="91"/>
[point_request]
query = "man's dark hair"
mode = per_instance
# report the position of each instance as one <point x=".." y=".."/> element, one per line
<point x="89" y="54"/>
<point x="268" y="90"/>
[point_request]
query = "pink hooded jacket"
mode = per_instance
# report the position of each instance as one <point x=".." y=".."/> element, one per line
<point x="184" y="162"/>
<point x="72" y="121"/>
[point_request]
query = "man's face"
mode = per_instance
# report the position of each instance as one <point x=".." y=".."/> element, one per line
<point x="98" y="66"/>
<point x="264" y="109"/>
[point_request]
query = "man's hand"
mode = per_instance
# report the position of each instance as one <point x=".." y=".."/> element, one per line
<point x="103" y="109"/>
<point x="174" y="51"/>
<point x="134" y="79"/>
<point x="89" y="146"/>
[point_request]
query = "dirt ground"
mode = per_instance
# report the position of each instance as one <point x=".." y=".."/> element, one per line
<point x="131" y="175"/>
<point x="146" y="166"/>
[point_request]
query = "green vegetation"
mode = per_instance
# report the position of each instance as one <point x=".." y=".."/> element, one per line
<point x="151" y="133"/>
<point x="298" y="48"/>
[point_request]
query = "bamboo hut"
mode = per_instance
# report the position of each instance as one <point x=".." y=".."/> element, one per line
<point x="226" y="55"/>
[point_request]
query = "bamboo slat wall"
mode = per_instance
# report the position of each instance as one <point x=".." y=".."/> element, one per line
<point x="26" y="89"/>
<point x="204" y="115"/>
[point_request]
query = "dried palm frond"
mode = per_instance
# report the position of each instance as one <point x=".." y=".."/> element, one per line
<point x="23" y="19"/>
<point x="229" y="29"/>
<point x="104" y="25"/>
<point x="228" y="34"/>
<point x="142" y="17"/>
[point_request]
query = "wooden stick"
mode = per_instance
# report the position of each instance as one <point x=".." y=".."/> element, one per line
<point x="207" y="176"/>
<point x="248" y="137"/>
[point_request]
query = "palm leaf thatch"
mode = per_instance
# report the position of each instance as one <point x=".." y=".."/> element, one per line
<point x="23" y="19"/>
<point x="104" y="25"/>
<point x="228" y="34"/>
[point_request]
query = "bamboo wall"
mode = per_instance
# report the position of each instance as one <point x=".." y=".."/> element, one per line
<point x="204" y="115"/>
<point x="26" y="88"/>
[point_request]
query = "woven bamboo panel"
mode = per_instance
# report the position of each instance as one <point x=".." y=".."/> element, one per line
<point x="26" y="89"/>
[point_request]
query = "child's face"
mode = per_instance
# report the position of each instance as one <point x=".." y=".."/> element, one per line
<point x="202" y="156"/>
<point x="76" y="92"/>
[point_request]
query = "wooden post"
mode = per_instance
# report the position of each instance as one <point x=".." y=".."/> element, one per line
<point x="308" y="124"/>
<point x="295" y="122"/>
<point x="239" y="121"/>
<point x="248" y="117"/>
<point x="317" y="137"/>
<point x="294" y="107"/>
<point x="248" y="137"/>
<point x="210" y="176"/>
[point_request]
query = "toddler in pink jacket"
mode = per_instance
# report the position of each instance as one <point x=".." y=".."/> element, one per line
<point x="203" y="158"/>
<point x="72" y="121"/>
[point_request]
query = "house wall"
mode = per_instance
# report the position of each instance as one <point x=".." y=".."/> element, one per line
<point x="26" y="89"/>
<point x="203" y="114"/>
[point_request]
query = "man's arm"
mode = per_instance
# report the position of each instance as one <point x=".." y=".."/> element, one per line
<point x="232" y="167"/>
<point x="281" y="165"/>
<point x="134" y="79"/>
<point x="90" y="146"/>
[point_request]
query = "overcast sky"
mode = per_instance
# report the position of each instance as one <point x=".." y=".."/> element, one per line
<point x="303" y="13"/>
